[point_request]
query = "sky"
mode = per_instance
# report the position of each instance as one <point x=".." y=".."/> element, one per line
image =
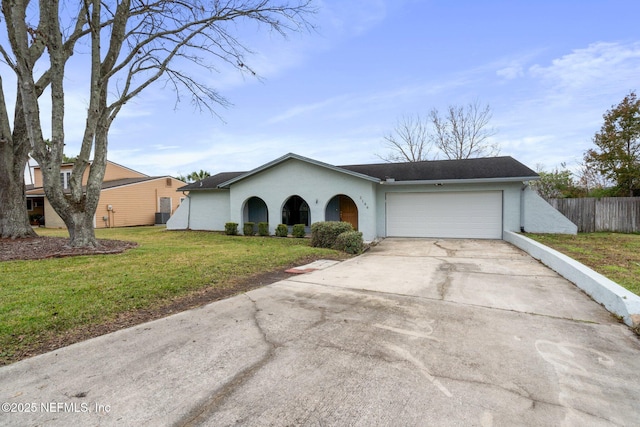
<point x="548" y="69"/>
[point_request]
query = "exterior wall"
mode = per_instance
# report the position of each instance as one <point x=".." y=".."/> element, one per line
<point x="115" y="171"/>
<point x="315" y="184"/>
<point x="180" y="218"/>
<point x="136" y="204"/>
<point x="112" y="172"/>
<point x="202" y="210"/>
<point x="541" y="217"/>
<point x="510" y="200"/>
<point x="51" y="218"/>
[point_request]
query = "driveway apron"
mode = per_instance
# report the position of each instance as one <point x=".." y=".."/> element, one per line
<point x="414" y="332"/>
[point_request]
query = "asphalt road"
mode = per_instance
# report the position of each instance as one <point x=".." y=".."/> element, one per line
<point x="414" y="332"/>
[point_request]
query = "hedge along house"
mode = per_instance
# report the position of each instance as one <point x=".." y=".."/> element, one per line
<point x="472" y="198"/>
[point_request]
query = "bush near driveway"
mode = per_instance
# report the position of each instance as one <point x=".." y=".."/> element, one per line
<point x="325" y="233"/>
<point x="350" y="242"/>
<point x="43" y="300"/>
<point x="614" y="255"/>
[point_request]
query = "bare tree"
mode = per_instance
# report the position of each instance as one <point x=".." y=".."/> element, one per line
<point x="464" y="132"/>
<point x="132" y="44"/>
<point x="409" y="142"/>
<point x="591" y="179"/>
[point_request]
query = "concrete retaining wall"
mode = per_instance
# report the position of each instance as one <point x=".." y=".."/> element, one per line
<point x="612" y="296"/>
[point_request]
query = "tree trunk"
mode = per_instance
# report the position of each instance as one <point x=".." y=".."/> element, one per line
<point x="77" y="216"/>
<point x="14" y="219"/>
<point x="81" y="231"/>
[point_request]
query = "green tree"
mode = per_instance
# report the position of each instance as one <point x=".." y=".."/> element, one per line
<point x="197" y="176"/>
<point x="194" y="176"/>
<point x="557" y="184"/>
<point x="617" y="152"/>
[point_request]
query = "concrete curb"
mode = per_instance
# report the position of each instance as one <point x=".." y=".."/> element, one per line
<point x="612" y="296"/>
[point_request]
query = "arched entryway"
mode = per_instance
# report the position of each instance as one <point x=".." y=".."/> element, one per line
<point x="296" y="211"/>
<point x="255" y="210"/>
<point x="342" y="208"/>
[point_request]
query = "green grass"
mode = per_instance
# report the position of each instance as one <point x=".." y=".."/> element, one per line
<point x="44" y="298"/>
<point x="614" y="255"/>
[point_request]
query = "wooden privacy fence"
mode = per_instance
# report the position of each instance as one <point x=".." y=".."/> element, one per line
<point x="621" y="214"/>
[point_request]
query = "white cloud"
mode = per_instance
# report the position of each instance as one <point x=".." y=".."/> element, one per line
<point x="350" y="18"/>
<point x="299" y="110"/>
<point x="598" y="65"/>
<point x="511" y="72"/>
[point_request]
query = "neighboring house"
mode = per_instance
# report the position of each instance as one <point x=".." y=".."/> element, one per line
<point x="473" y="198"/>
<point x="128" y="197"/>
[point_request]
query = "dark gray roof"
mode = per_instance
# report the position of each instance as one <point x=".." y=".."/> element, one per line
<point x="106" y="184"/>
<point x="488" y="168"/>
<point x="127" y="181"/>
<point x="211" y="182"/>
<point x="436" y="170"/>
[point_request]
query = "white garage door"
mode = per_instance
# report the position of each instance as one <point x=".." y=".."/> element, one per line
<point x="475" y="215"/>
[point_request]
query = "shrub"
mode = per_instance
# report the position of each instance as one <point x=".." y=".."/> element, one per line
<point x="299" y="230"/>
<point x="282" y="230"/>
<point x="263" y="228"/>
<point x="231" y="229"/>
<point x="248" y="230"/>
<point x="324" y="234"/>
<point x="350" y="242"/>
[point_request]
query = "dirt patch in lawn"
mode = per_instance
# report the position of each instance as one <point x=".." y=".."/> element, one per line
<point x="56" y="247"/>
<point x="53" y="247"/>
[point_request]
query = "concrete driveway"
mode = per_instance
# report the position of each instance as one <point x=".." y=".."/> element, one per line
<point x="414" y="332"/>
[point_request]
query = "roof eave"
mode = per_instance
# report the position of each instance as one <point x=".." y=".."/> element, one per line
<point x="462" y="181"/>
<point x="196" y="189"/>
<point x="288" y="156"/>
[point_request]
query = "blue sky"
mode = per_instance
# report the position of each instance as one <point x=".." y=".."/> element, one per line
<point x="548" y="70"/>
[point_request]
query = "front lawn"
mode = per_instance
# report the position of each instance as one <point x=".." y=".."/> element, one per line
<point x="43" y="301"/>
<point x="614" y="255"/>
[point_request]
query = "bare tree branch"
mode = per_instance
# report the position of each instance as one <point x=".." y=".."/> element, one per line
<point x="132" y="44"/>
<point x="409" y="142"/>
<point x="464" y="132"/>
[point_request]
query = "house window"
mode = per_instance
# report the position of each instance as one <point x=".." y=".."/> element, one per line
<point x="65" y="177"/>
<point x="295" y="211"/>
<point x="29" y="204"/>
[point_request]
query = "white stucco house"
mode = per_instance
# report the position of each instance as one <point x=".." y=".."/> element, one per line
<point x="472" y="198"/>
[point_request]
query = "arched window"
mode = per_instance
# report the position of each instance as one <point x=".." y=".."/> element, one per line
<point x="296" y="211"/>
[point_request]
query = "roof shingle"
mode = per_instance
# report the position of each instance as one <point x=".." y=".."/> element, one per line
<point x="432" y="170"/>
